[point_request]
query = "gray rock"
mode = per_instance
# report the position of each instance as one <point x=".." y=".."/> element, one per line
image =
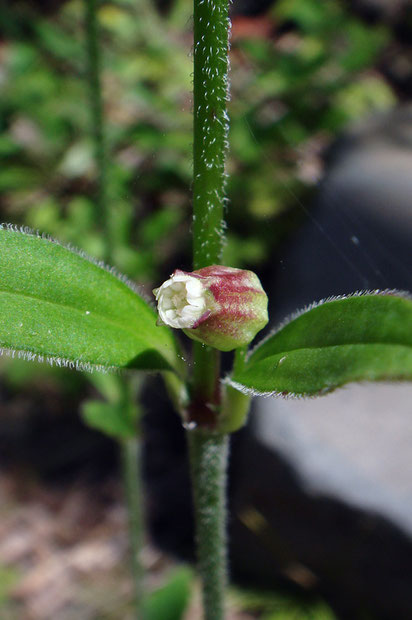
<point x="354" y="445"/>
<point x="348" y="455"/>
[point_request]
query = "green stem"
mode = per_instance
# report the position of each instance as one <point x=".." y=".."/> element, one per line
<point x="210" y="127"/>
<point x="208" y="457"/>
<point x="130" y="448"/>
<point x="177" y="391"/>
<point x="130" y="451"/>
<point x="205" y="383"/>
<point x="210" y="131"/>
<point x="208" y="449"/>
<point x="97" y="120"/>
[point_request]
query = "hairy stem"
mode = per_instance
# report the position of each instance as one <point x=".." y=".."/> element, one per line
<point x="208" y="457"/>
<point x="130" y="451"/>
<point x="210" y="131"/>
<point x="210" y="127"/>
<point x="208" y="449"/>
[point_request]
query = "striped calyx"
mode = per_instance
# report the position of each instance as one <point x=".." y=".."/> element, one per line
<point x="220" y="306"/>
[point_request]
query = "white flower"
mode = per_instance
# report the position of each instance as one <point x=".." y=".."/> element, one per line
<point x="220" y="306"/>
<point x="181" y="301"/>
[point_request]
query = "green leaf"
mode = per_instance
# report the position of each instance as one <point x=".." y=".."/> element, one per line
<point x="108" y="418"/>
<point x="366" y="337"/>
<point x="170" y="601"/>
<point x="57" y="305"/>
<point x="110" y="386"/>
<point x="275" y="605"/>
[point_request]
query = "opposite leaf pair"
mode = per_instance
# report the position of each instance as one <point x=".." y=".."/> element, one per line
<point x="58" y="305"/>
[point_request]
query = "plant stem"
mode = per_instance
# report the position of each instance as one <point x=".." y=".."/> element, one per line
<point x="210" y="145"/>
<point x="210" y="128"/>
<point x="208" y="457"/>
<point x="208" y="449"/>
<point x="130" y="451"/>
<point x="130" y="448"/>
<point x="97" y="121"/>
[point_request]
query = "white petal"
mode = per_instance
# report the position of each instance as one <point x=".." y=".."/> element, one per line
<point x="170" y="314"/>
<point x="181" y="301"/>
<point x="198" y="302"/>
<point x="189" y="311"/>
<point x="194" y="288"/>
<point x="182" y="278"/>
<point x="167" y="303"/>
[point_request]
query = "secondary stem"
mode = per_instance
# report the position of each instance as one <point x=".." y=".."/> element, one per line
<point x="130" y="448"/>
<point x="130" y="451"/>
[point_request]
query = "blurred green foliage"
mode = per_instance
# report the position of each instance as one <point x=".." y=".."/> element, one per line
<point x="293" y="89"/>
<point x="170" y="601"/>
<point x="291" y="94"/>
<point x="295" y="84"/>
<point x="8" y="580"/>
<point x="271" y="605"/>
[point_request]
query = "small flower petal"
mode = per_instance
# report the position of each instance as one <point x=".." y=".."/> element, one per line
<point x="220" y="306"/>
<point x="180" y="300"/>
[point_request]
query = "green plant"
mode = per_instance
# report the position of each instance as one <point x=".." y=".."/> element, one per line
<point x="275" y="606"/>
<point x="60" y="306"/>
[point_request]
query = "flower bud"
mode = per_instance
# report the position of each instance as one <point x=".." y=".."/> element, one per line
<point x="220" y="306"/>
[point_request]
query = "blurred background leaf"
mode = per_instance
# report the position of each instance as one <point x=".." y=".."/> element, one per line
<point x="170" y="601"/>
